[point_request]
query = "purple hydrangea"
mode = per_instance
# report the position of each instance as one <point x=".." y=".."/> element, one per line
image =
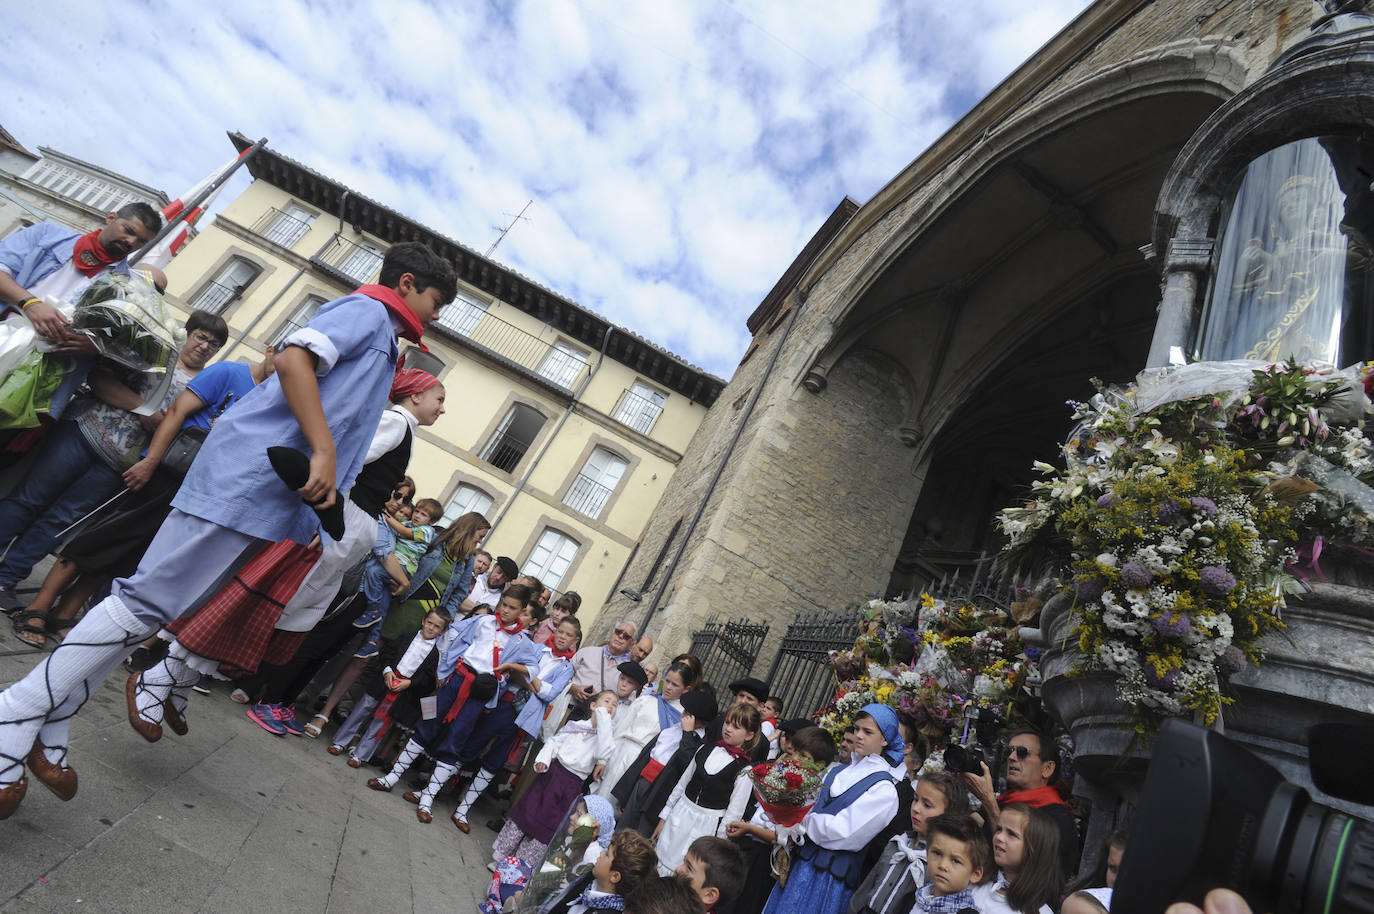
<point x="1231" y="661"/>
<point x="1205" y="505"/>
<point x="1217" y="581"/>
<point x="1134" y="574"/>
<point x="1166" y="682"/>
<point x="1088" y="589"/>
<point x="1168" y="512"/>
<point x="1173" y="625"/>
<point x="1106" y="500"/>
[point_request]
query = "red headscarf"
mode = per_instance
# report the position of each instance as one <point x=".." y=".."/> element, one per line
<point x="90" y="257"/>
<point x="411" y="329"/>
<point x="410" y="381"/>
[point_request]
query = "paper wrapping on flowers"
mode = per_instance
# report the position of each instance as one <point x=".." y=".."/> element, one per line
<point x="786" y="788"/>
<point x="564" y="860"/>
<point x="129" y="323"/>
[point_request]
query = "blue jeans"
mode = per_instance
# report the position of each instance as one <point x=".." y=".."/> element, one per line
<point x="66" y="482"/>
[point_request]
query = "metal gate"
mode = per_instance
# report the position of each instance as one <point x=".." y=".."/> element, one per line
<point x="727" y="651"/>
<point x="801" y="673"/>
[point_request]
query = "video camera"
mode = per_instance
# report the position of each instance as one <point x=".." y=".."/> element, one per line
<point x="962" y="756"/>
<point x="1214" y="815"/>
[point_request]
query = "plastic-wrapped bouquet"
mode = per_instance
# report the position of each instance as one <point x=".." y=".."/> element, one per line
<point x="786" y="788"/>
<point x="128" y="322"/>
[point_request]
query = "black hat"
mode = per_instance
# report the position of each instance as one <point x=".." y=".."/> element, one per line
<point x="793" y="724"/>
<point x="700" y="705"/>
<point x="634" y="671"/>
<point x="508" y="567"/>
<point x="756" y="687"/>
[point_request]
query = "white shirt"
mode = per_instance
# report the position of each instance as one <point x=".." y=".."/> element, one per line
<point x="482" y="594"/>
<point x="547" y="664"/>
<point x="579" y="744"/>
<point x="667" y="743"/>
<point x="479" y="653"/>
<point x="65" y="284"/>
<point x="852" y="828"/>
<point x="989" y="900"/>
<point x="391" y="430"/>
<point x="414" y="656"/>
<point x="739" y="794"/>
<point x="638" y="723"/>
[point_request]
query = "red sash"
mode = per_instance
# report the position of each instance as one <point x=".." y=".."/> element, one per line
<point x="651" y="769"/>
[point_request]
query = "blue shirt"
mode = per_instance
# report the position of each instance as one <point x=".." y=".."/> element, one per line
<point x="219" y="386"/>
<point x="232" y="483"/>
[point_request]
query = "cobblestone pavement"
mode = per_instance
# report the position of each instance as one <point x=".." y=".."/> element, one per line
<point x="228" y="817"/>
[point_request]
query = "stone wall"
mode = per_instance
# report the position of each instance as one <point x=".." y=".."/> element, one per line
<point x="812" y="507"/>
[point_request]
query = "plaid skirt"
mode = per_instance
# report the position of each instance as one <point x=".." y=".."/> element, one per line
<point x="237" y="627"/>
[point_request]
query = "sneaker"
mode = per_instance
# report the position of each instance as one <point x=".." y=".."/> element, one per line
<point x="287" y="718"/>
<point x="10" y="602"/>
<point x="369" y="618"/>
<point x="239" y="695"/>
<point x="265" y="716"/>
<point x="369" y="649"/>
<point x="201" y="687"/>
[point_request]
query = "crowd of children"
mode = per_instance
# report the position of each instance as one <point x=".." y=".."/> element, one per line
<point x="465" y="667"/>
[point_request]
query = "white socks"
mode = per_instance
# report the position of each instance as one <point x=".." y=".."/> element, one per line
<point x="410" y="753"/>
<point x="436" y="783"/>
<point x="479" y="783"/>
<point x="54" y="690"/>
<point x="169" y="677"/>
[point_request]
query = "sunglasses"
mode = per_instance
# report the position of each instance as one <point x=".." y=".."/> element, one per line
<point x="1021" y="752"/>
<point x="623" y="633"/>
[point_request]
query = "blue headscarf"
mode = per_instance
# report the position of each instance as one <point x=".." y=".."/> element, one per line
<point x="886" y="719"/>
<point x="600" y="809"/>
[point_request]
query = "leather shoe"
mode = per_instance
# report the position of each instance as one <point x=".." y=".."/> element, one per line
<point x="462" y="824"/>
<point x="424" y="815"/>
<point x="61" y="781"/>
<point x="354" y="762"/>
<point x="411" y="796"/>
<point x="174" y="718"/>
<point x="335" y="750"/>
<point x="149" y="731"/>
<point x="378" y="784"/>
<point x="10" y="795"/>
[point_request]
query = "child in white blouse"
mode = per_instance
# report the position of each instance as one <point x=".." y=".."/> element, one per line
<point x="561" y="766"/>
<point x="712" y="792"/>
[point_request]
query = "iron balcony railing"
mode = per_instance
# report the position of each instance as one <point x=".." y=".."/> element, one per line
<point x="587" y="496"/>
<point x="639" y="413"/>
<point x="349" y="261"/>
<point x="280" y="227"/>
<point x="536" y="353"/>
<point x="505" y="452"/>
<point x="214" y="298"/>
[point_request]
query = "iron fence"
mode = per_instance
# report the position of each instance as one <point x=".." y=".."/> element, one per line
<point x="639" y="413"/>
<point x="977" y="582"/>
<point x="587" y="496"/>
<point x="801" y="673"/>
<point x="353" y="262"/>
<point x="506" y="452"/>
<point x="281" y="227"/>
<point x="727" y="651"/>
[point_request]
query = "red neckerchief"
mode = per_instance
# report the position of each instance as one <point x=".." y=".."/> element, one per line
<point x="563" y="655"/>
<point x="1040" y="796"/>
<point x="89" y="256"/>
<point x="411" y="328"/>
<point x="735" y="751"/>
<point x="771" y="720"/>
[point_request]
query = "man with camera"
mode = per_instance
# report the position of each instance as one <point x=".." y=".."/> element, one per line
<point x="1032" y="768"/>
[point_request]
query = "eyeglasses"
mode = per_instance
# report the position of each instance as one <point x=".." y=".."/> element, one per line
<point x="205" y="339"/>
<point x="1021" y="752"/>
<point x="624" y="634"/>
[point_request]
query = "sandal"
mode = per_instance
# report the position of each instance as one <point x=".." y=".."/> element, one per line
<point x="47" y="627"/>
<point x="316" y="725"/>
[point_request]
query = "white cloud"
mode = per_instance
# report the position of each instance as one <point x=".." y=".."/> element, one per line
<point x="678" y="154"/>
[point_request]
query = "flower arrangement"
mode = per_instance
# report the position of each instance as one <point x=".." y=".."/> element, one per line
<point x="1178" y="516"/>
<point x="931" y="659"/>
<point x="786" y="788"/>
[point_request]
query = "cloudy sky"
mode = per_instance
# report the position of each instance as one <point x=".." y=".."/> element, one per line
<point x="678" y="154"/>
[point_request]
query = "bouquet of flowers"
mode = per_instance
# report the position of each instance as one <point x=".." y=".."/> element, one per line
<point x="128" y="322"/>
<point x="786" y="788"/>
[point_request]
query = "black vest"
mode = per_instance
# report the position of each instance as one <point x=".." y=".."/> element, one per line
<point x="377" y="479"/>
<point x="712" y="791"/>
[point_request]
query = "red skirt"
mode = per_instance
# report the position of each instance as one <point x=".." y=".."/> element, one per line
<point x="237" y="627"/>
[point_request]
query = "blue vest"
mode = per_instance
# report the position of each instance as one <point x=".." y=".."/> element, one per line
<point x="846" y="866"/>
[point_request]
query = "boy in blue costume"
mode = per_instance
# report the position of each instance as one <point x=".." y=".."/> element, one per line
<point x="332" y="382"/>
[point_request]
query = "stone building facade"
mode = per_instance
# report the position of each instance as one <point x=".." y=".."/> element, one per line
<point x="918" y="355"/>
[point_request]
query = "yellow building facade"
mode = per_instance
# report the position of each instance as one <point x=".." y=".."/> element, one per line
<point x="562" y="428"/>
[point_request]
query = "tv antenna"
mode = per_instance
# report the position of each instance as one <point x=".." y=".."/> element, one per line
<point x="518" y="217"/>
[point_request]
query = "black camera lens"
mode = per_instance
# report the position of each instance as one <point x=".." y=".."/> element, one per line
<point x="1213" y="815"/>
